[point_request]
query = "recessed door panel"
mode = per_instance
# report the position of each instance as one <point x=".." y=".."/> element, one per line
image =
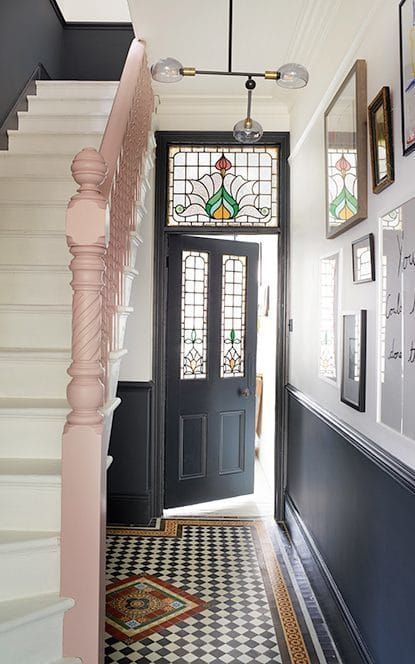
<point x="192" y="446"/>
<point x="232" y="442"/>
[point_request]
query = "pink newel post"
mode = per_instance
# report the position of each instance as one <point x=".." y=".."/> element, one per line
<point x="84" y="459"/>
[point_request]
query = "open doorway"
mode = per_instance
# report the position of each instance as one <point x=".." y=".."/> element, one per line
<point x="185" y="214"/>
<point x="258" y="499"/>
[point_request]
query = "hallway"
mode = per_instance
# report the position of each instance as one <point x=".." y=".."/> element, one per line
<point x="205" y="590"/>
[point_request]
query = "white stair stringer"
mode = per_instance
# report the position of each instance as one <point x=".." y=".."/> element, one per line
<point x="35" y="335"/>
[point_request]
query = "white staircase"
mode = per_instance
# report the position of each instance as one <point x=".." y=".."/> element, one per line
<point x="35" y="318"/>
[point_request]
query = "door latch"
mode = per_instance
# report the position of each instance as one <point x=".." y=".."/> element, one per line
<point x="244" y="392"/>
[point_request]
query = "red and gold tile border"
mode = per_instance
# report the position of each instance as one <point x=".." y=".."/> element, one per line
<point x="292" y="632"/>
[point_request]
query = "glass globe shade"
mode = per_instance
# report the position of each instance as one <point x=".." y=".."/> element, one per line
<point x="167" y="70"/>
<point x="247" y="131"/>
<point x="292" y="76"/>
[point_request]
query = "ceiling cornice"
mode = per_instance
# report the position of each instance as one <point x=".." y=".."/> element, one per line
<point x="316" y="20"/>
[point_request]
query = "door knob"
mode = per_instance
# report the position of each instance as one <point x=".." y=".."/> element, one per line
<point x="244" y="392"/>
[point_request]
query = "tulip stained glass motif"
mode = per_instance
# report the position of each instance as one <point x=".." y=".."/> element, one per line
<point x="342" y="168"/>
<point x="219" y="186"/>
<point x="233" y="316"/>
<point x="194" y="315"/>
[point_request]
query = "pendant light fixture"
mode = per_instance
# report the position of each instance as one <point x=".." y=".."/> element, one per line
<point x="290" y="76"/>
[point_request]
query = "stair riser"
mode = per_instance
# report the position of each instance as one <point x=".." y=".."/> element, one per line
<point x="17" y="165"/>
<point x="24" y="573"/>
<point x="28" y="250"/>
<point x="37" y="191"/>
<point x="32" y="506"/>
<point x="34" y="378"/>
<point x="19" y="329"/>
<point x="43" y="123"/>
<point x="30" y="217"/>
<point x="31" y="437"/>
<point x="57" y="143"/>
<point x="39" y="105"/>
<point x="37" y="642"/>
<point x="35" y="287"/>
<point x="79" y="90"/>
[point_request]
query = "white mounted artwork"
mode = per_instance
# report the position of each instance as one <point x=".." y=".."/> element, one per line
<point x="398" y="320"/>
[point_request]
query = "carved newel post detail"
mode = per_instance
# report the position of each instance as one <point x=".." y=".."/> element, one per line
<point x="85" y="231"/>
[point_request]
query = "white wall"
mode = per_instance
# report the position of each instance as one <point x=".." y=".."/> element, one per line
<point x="378" y="43"/>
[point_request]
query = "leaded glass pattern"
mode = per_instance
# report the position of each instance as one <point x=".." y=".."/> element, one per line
<point x="342" y="185"/>
<point x="222" y="186"/>
<point x="328" y="317"/>
<point x="194" y="295"/>
<point x="233" y="316"/>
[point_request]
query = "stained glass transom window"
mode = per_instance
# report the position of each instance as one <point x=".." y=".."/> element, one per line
<point x="328" y="317"/>
<point x="194" y="315"/>
<point x="342" y="182"/>
<point x="233" y="316"/>
<point x="218" y="186"/>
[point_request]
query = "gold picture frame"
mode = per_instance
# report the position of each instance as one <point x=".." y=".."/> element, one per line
<point x="381" y="141"/>
<point x="345" y="129"/>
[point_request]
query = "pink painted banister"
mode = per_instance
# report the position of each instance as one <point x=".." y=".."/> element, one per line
<point x="101" y="223"/>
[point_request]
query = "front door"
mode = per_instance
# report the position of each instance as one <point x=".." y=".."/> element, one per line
<point x="211" y="357"/>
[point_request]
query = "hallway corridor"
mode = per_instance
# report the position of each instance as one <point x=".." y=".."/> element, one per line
<point x="205" y="590"/>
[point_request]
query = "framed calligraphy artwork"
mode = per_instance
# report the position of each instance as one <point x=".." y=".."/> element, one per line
<point x="397" y="324"/>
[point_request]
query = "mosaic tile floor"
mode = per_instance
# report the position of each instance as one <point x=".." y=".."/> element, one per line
<point x="208" y="591"/>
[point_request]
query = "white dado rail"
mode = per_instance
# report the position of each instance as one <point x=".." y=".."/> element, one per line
<point x="102" y="222"/>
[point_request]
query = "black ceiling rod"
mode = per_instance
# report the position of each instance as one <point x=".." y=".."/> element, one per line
<point x="230" y="36"/>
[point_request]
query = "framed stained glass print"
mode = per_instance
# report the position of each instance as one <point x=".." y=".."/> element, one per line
<point x="363" y="259"/>
<point x="381" y="141"/>
<point x="407" y="44"/>
<point x="345" y="126"/>
<point x="222" y="186"/>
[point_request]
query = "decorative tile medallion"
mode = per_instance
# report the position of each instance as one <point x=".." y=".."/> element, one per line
<point x="141" y="605"/>
<point x="242" y="611"/>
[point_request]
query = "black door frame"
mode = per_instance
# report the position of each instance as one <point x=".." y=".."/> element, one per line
<point x="161" y="233"/>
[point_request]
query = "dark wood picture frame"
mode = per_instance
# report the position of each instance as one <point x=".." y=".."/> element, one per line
<point x="358" y="71"/>
<point x="381" y="105"/>
<point x="407" y="146"/>
<point x="353" y="392"/>
<point x="370" y="241"/>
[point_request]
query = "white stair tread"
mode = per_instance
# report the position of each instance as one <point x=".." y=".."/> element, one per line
<point x="16" y="404"/>
<point x="33" y="468"/>
<point x="13" y="540"/>
<point x="20" y="611"/>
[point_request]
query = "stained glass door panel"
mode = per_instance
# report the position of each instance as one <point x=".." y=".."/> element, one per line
<point x="211" y="349"/>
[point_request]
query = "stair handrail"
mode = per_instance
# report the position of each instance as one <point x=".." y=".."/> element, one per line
<point x="101" y="221"/>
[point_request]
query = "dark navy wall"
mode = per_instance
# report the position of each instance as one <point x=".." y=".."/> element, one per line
<point x="33" y="32"/>
<point x="129" y="477"/>
<point x="357" y="506"/>
<point x="30" y="33"/>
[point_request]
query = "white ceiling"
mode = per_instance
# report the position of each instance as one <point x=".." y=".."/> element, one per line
<point x="95" y="10"/>
<point x="196" y="33"/>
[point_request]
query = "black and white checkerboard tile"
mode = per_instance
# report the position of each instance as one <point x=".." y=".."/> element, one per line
<point x="220" y="566"/>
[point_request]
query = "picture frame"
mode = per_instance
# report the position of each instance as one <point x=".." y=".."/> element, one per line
<point x="381" y="141"/>
<point x="353" y="380"/>
<point x="363" y="259"/>
<point x="407" y="67"/>
<point x="345" y="131"/>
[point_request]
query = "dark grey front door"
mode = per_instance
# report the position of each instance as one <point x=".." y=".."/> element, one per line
<point x="211" y="357"/>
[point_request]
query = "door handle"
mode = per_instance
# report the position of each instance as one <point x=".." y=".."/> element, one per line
<point x="244" y="392"/>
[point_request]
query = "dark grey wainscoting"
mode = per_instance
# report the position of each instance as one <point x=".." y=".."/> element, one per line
<point x="36" y="42"/>
<point x="130" y="500"/>
<point x="351" y="509"/>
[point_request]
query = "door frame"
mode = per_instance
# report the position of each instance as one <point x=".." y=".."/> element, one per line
<point x="161" y="233"/>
